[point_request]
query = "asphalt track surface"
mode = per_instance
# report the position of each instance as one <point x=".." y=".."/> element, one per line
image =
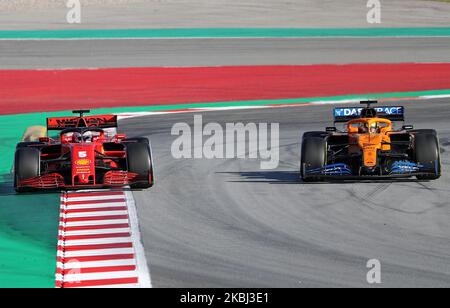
<point x="217" y="52"/>
<point x="227" y="223"/>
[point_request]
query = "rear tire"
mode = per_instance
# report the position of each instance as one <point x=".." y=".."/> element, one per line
<point x="139" y="160"/>
<point x="27" y="165"/>
<point x="314" y="155"/>
<point x="426" y="151"/>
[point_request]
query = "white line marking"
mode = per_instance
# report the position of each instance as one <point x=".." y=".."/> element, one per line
<point x="98" y="206"/>
<point x="344" y="101"/>
<point x="91" y="264"/>
<point x="231" y="108"/>
<point x="112" y="197"/>
<point x="98" y="276"/>
<point x="274" y="104"/>
<point x="142" y="267"/>
<point x="98" y="241"/>
<point x="94" y="210"/>
<point x="435" y="96"/>
<point x="128" y="115"/>
<point x="96" y="214"/>
<point x="99" y="231"/>
<point x="96" y="222"/>
<point x="98" y="252"/>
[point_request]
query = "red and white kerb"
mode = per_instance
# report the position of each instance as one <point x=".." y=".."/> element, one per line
<point x="99" y="243"/>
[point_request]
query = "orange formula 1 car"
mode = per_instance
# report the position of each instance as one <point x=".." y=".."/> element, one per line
<point x="370" y="148"/>
<point x="84" y="155"/>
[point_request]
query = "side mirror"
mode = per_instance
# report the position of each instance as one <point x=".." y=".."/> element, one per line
<point x="407" y="127"/>
<point x="331" y="129"/>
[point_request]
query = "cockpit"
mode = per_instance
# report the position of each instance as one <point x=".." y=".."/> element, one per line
<point x="368" y="126"/>
<point x="82" y="135"/>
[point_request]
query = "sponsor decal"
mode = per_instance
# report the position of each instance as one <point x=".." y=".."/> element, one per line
<point x="369" y="146"/>
<point x="83" y="170"/>
<point x="91" y="121"/>
<point x="83" y="162"/>
<point x="352" y="112"/>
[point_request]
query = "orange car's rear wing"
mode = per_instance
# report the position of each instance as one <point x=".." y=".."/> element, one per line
<point x="392" y="113"/>
<point x="100" y="121"/>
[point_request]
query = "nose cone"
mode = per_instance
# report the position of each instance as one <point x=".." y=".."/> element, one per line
<point x="370" y="156"/>
<point x="83" y="164"/>
<point x="369" y="145"/>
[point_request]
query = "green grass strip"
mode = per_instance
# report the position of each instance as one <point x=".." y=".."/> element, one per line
<point x="28" y="238"/>
<point x="28" y="223"/>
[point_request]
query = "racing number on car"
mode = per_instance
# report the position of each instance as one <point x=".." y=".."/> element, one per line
<point x="82" y="154"/>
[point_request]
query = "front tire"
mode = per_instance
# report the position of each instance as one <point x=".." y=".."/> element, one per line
<point x="27" y="165"/>
<point x="139" y="161"/>
<point x="426" y="152"/>
<point x="313" y="156"/>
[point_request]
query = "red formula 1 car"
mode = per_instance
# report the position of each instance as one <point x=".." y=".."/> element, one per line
<point x="84" y="156"/>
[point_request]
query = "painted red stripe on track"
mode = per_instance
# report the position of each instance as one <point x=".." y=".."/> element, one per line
<point x="93" y="210"/>
<point x="69" y="203"/>
<point x="101" y="282"/>
<point x="96" y="247"/>
<point x="93" y="218"/>
<point x="93" y="236"/>
<point x="94" y="227"/>
<point x="90" y="270"/>
<point x="48" y="90"/>
<point x="97" y="258"/>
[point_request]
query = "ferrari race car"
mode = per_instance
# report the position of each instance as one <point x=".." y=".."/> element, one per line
<point x="84" y="155"/>
<point x="368" y="147"/>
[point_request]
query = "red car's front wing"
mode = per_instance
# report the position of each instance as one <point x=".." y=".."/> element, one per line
<point x="56" y="181"/>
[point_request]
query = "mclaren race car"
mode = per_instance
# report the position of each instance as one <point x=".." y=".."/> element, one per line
<point x="368" y="147"/>
<point x="84" y="155"/>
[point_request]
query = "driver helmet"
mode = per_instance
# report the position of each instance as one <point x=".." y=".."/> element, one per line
<point x="374" y="127"/>
<point x="88" y="137"/>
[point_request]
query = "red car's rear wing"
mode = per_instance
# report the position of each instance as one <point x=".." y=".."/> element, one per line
<point x="100" y="121"/>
